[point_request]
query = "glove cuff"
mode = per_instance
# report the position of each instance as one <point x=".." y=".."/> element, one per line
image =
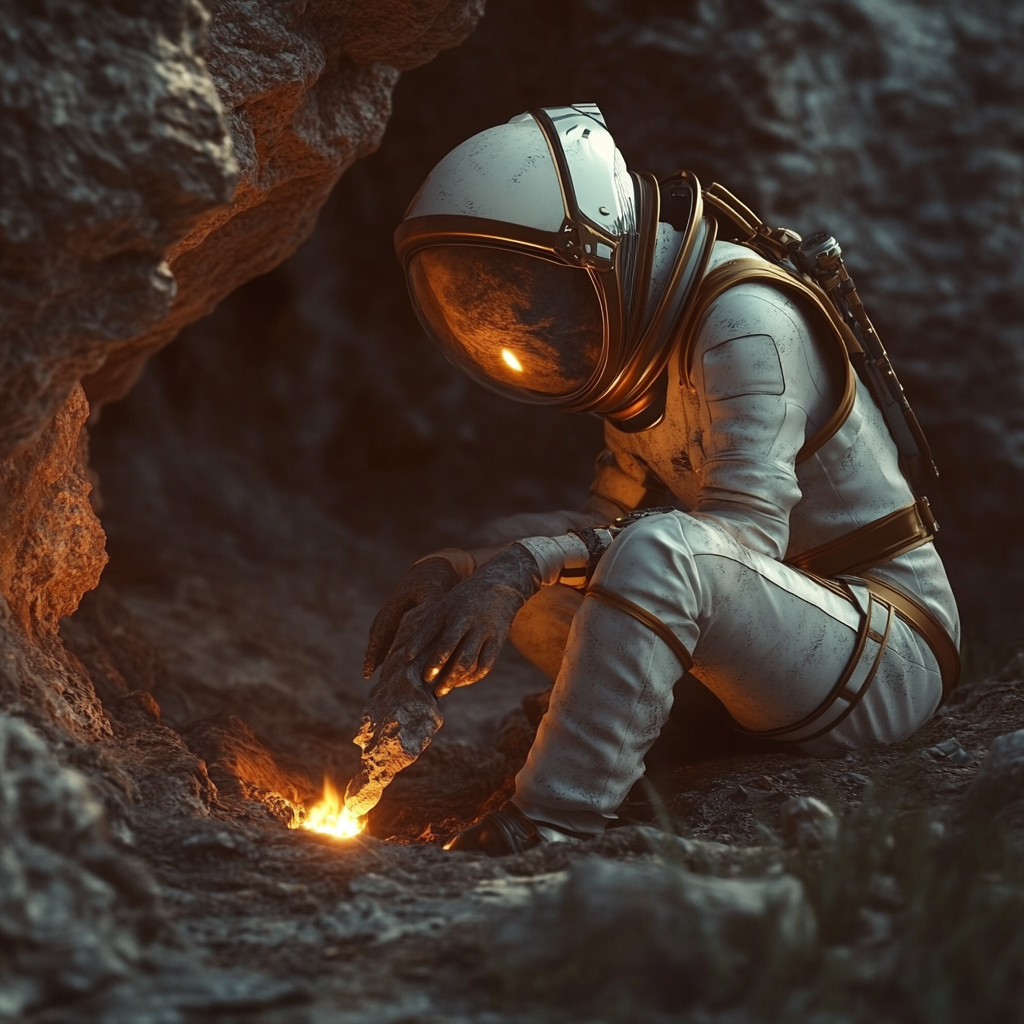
<point x="461" y="561"/>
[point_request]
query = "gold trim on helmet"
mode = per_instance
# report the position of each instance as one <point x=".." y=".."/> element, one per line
<point x="633" y="356"/>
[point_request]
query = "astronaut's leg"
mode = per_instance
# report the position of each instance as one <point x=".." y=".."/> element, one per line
<point x="772" y="643"/>
<point x="541" y="629"/>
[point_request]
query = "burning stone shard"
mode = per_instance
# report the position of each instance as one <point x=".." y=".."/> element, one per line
<point x="399" y="721"/>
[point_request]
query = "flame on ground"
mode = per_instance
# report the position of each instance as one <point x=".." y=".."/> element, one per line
<point x="330" y="816"/>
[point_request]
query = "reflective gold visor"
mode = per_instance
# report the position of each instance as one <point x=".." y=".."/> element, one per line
<point x="527" y="327"/>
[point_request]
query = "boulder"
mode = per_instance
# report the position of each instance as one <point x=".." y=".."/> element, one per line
<point x="651" y="934"/>
<point x="1000" y="779"/>
<point x="158" y="156"/>
<point x="808" y="823"/>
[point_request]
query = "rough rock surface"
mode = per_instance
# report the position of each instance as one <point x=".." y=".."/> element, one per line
<point x="154" y="159"/>
<point x="51" y="552"/>
<point x="654" y="933"/>
<point x="51" y="543"/>
<point x="114" y="144"/>
<point x="74" y="913"/>
<point x="307" y="92"/>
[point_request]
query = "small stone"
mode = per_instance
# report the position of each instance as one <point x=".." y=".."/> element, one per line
<point x="139" y="706"/>
<point x="949" y="750"/>
<point x="807" y="822"/>
<point x="854" y="779"/>
<point x="219" y="842"/>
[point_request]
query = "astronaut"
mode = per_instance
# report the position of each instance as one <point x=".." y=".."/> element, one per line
<point x="788" y="561"/>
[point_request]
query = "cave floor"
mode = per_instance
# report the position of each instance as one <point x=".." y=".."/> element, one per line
<point x="253" y="667"/>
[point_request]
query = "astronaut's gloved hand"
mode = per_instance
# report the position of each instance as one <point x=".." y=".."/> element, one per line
<point x="426" y="581"/>
<point x="461" y="634"/>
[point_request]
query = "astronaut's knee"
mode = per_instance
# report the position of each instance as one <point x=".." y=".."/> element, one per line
<point x="650" y="534"/>
<point x="654" y="546"/>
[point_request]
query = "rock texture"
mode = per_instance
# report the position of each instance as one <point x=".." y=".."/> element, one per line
<point x="651" y="933"/>
<point x="156" y="159"/>
<point x="152" y="158"/>
<point x="51" y="552"/>
<point x="74" y="913"/>
<point x="306" y="90"/>
<point x="51" y="544"/>
<point x="114" y="145"/>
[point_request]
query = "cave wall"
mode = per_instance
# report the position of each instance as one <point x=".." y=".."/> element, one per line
<point x="898" y="126"/>
<point x="156" y="156"/>
<point x="153" y="157"/>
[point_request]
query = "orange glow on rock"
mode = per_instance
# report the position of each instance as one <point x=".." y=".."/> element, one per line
<point x="330" y="816"/>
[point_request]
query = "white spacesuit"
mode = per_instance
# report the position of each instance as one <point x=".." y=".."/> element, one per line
<point x="791" y="568"/>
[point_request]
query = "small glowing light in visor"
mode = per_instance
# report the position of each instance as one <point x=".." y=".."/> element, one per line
<point x="511" y="360"/>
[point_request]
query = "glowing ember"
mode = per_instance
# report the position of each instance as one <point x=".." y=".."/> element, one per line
<point x="510" y="358"/>
<point x="331" y="817"/>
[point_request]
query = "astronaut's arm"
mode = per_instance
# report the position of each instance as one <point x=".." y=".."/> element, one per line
<point x="619" y="487"/>
<point x="759" y="380"/>
<point x="616" y="490"/>
<point x="431" y="577"/>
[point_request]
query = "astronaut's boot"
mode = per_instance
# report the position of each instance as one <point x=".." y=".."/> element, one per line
<point x="507" y="830"/>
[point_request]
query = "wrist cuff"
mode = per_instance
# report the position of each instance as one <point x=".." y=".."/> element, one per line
<point x="568" y="559"/>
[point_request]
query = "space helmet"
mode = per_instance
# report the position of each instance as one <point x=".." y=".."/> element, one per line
<point x="528" y="253"/>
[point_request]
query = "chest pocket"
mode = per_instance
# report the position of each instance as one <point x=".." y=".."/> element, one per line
<point x="742" y="366"/>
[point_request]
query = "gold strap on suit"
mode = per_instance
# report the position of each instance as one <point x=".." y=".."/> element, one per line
<point x="869" y="545"/>
<point x="642" y="615"/>
<point x="883" y="602"/>
<point x="920" y="619"/>
<point x="854" y="681"/>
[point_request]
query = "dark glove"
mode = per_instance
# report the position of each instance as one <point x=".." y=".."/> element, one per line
<point x="425" y="581"/>
<point x="460" y="635"/>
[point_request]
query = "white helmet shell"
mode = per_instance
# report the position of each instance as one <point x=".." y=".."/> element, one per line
<point x="504" y="173"/>
<point x="528" y="255"/>
<point x="507" y="173"/>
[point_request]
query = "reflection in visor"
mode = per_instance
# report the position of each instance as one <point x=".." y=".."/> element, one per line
<point x="515" y="322"/>
<point x="510" y="358"/>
